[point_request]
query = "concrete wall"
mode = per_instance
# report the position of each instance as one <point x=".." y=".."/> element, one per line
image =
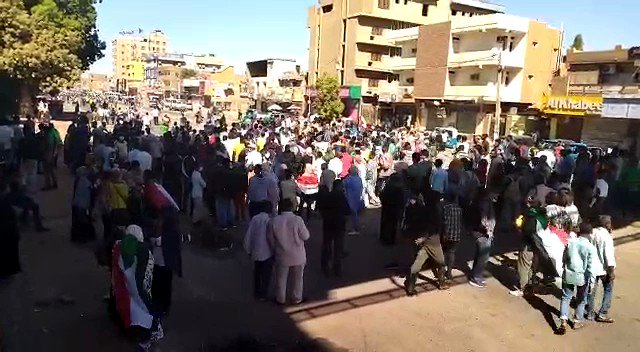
<point x="540" y="61"/>
<point x="431" y="63"/>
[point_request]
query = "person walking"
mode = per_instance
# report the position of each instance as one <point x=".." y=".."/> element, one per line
<point x="482" y="220"/>
<point x="578" y="263"/>
<point x="452" y="227"/>
<point x="606" y="262"/>
<point x="334" y="209"/>
<point x="423" y="224"/>
<point x="256" y="244"/>
<point x="287" y="235"/>
<point x="353" y="189"/>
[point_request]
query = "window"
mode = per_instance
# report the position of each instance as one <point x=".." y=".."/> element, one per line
<point x="397" y="1"/>
<point x="373" y="83"/>
<point x="383" y="4"/>
<point x="376" y="30"/>
<point x="327" y="8"/>
<point x="425" y="10"/>
<point x="454" y="13"/>
<point x="410" y="80"/>
<point x="507" y="79"/>
<point x="512" y="43"/>
<point x="414" y="50"/>
<point x="530" y="77"/>
<point x="376" y="57"/>
<point x="474" y="77"/>
<point x="535" y="45"/>
<point x="406" y="2"/>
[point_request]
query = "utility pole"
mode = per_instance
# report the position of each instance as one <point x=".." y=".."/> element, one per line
<point x="496" y="126"/>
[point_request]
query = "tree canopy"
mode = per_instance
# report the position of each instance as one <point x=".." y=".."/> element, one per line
<point x="327" y="102"/>
<point x="578" y="43"/>
<point x="46" y="44"/>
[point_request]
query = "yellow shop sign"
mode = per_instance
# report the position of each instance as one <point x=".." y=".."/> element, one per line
<point x="572" y="105"/>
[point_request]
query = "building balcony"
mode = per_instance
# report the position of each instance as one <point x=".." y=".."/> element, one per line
<point x="486" y="93"/>
<point x="486" y="58"/>
<point x="366" y="36"/>
<point x="495" y="22"/>
<point x="398" y="63"/>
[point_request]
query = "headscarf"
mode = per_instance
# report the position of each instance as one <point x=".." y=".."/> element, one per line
<point x="131" y="242"/>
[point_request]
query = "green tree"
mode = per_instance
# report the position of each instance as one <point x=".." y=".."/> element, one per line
<point x="44" y="46"/>
<point x="188" y="73"/>
<point x="327" y="102"/>
<point x="578" y="43"/>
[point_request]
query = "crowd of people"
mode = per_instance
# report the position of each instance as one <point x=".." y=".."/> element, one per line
<point x="130" y="187"/>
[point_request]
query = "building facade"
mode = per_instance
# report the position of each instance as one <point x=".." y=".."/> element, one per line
<point x="349" y="40"/>
<point x="95" y="82"/>
<point x="276" y="81"/>
<point x="464" y="67"/>
<point x="597" y="98"/>
<point x="129" y="52"/>
<point x="205" y="80"/>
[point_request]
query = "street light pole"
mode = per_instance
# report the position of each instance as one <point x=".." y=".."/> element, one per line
<point x="496" y="126"/>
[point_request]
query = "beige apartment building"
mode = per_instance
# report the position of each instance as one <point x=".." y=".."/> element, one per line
<point x="348" y="38"/>
<point x="129" y="52"/>
<point x="464" y="66"/>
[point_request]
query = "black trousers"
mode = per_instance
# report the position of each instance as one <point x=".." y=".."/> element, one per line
<point x="449" y="248"/>
<point x="262" y="278"/>
<point x="161" y="288"/>
<point x="332" y="249"/>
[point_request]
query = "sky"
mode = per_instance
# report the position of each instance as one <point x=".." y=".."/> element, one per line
<point x="245" y="30"/>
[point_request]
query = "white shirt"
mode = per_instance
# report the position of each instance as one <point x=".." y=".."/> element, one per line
<point x="255" y="240"/>
<point x="602" y="240"/>
<point x="287" y="234"/>
<point x="603" y="187"/>
<point x="335" y="165"/>
<point x="142" y="157"/>
<point x="146" y="120"/>
<point x="6" y="136"/>
<point x="317" y="166"/>
<point x="254" y="158"/>
<point x="197" y="184"/>
<point x="551" y="157"/>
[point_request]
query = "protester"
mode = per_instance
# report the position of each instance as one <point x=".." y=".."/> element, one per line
<point x="256" y="244"/>
<point x="578" y="266"/>
<point x="353" y="190"/>
<point x="334" y="208"/>
<point x="423" y="224"/>
<point x="131" y="277"/>
<point x="287" y="235"/>
<point x="452" y="227"/>
<point x="605" y="261"/>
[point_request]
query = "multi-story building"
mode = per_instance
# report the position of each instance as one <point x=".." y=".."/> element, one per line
<point x="94" y="82"/>
<point x="348" y="40"/>
<point x="276" y="81"/>
<point x="167" y="71"/>
<point x="129" y="52"/>
<point x="466" y="65"/>
<point x="203" y="79"/>
<point x="597" y="98"/>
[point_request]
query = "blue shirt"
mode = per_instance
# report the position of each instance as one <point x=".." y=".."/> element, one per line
<point x="439" y="180"/>
<point x="578" y="261"/>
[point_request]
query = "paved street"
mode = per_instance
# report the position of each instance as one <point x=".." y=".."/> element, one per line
<point x="57" y="304"/>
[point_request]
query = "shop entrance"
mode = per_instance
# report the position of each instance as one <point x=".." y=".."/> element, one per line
<point x="569" y="128"/>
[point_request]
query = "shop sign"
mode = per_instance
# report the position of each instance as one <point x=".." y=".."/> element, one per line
<point x="621" y="108"/>
<point x="572" y="105"/>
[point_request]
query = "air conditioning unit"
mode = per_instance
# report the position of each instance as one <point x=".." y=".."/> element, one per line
<point x="608" y="69"/>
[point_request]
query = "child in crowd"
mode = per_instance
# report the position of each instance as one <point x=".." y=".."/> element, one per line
<point x="578" y="262"/>
<point x="606" y="262"/>
<point x="257" y="245"/>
